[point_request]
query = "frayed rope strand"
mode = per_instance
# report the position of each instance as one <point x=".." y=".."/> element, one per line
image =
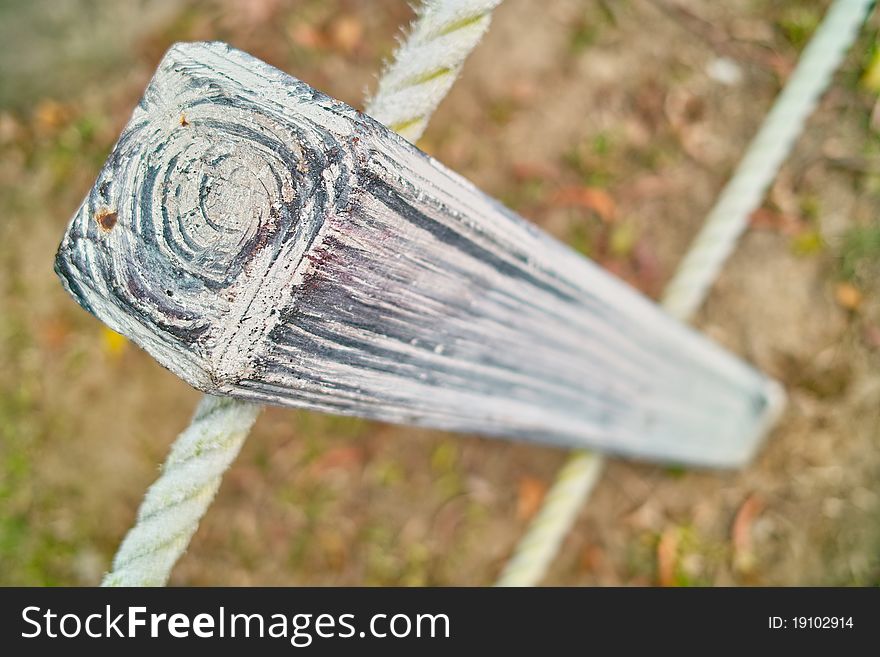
<point x="698" y="270"/>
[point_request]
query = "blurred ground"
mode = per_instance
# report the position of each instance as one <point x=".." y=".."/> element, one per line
<point x="611" y="124"/>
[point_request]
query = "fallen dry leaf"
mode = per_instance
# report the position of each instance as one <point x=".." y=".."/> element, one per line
<point x="530" y="495"/>
<point x="591" y="198"/>
<point x="741" y="534"/>
<point x="782" y="65"/>
<point x="847" y="296"/>
<point x="345" y="457"/>
<point x="592" y="558"/>
<point x="871" y="336"/>
<point x="683" y="108"/>
<point x="523" y="91"/>
<point x="54" y="333"/>
<point x="648" y="186"/>
<point x="307" y="36"/>
<point x="647" y="267"/>
<point x="248" y="14"/>
<point x="49" y="116"/>
<point x="667" y="557"/>
<point x="346" y="33"/>
<point x="529" y="170"/>
<point x="786" y="224"/>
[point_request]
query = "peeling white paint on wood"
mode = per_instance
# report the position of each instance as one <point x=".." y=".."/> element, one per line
<point x="264" y="241"/>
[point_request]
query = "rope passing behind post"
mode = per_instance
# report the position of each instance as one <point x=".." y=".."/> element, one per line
<point x="428" y="63"/>
<point x="422" y="72"/>
<point x="170" y="513"/>
<point x="701" y="265"/>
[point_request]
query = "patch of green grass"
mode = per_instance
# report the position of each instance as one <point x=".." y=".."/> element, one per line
<point x="589" y="160"/>
<point x="640" y="562"/>
<point x="661" y="153"/>
<point x="309" y="423"/>
<point x="444" y="462"/>
<point x="383" y="567"/>
<point x="417" y="558"/>
<point x="602" y="144"/>
<point x="582" y="36"/>
<point x="501" y="111"/>
<point x="860" y="253"/>
<point x="623" y="239"/>
<point x="807" y="243"/>
<point x="444" y="457"/>
<point x="586" y="29"/>
<point x="13" y="534"/>
<point x="675" y="471"/>
<point x="797" y="24"/>
<point x="526" y="194"/>
<point x="449" y="485"/>
<point x="581" y="238"/>
<point x="386" y="473"/>
<point x="811" y="207"/>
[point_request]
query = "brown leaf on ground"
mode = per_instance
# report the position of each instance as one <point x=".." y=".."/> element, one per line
<point x="591" y="198"/>
<point x="683" y="109"/>
<point x="50" y="116"/>
<point x="871" y="335"/>
<point x="616" y="266"/>
<point x="741" y="534"/>
<point x="847" y="296"/>
<point x="522" y="91"/>
<point x="346" y="457"/>
<point x="647" y="266"/>
<point x="786" y="224"/>
<point x="248" y="14"/>
<point x="54" y="333"/>
<point x="667" y="557"/>
<point x="346" y="34"/>
<point x="822" y="380"/>
<point x="307" y="36"/>
<point x="782" y="65"/>
<point x="529" y="170"/>
<point x="530" y="494"/>
<point x="647" y="186"/>
<point x="592" y="558"/>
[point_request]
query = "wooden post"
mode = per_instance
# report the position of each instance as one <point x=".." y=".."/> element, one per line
<point x="264" y="241"/>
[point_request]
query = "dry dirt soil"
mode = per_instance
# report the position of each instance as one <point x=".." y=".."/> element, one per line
<point x="613" y="125"/>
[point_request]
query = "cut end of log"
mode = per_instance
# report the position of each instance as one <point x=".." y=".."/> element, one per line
<point x="264" y="241"/>
<point x="209" y="188"/>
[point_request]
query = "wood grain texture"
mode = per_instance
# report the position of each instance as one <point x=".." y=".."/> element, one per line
<point x="264" y="241"/>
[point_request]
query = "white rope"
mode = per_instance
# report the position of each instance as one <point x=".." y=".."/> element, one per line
<point x="423" y="70"/>
<point x="426" y="65"/>
<point x="765" y="155"/>
<point x="543" y="538"/>
<point x="174" y="504"/>
<point x="700" y="267"/>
